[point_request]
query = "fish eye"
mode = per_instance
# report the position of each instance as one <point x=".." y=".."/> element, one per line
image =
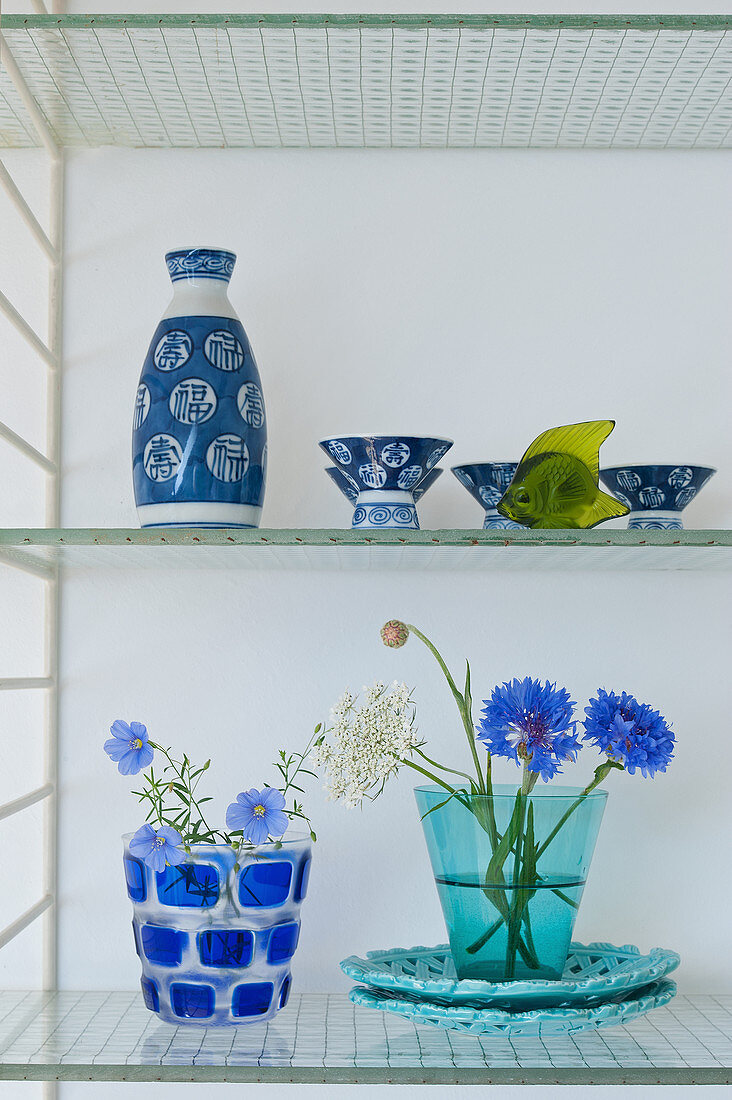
<point x="521" y="496"/>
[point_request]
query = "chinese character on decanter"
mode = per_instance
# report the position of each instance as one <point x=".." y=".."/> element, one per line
<point x="199" y="441"/>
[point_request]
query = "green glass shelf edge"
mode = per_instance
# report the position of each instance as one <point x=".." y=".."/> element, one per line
<point x="352" y="21"/>
<point x="369" y="1075"/>
<point x="44" y="538"/>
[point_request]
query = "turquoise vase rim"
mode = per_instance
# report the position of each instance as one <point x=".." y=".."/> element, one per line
<point x="509" y="791"/>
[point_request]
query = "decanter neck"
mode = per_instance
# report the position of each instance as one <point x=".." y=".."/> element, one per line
<point x="200" y="278"/>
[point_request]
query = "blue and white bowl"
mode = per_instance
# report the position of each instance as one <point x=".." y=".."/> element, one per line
<point x="487" y="482"/>
<point x="656" y="495"/>
<point x="384" y="472"/>
<point x="340" y="480"/>
<point x="216" y="938"/>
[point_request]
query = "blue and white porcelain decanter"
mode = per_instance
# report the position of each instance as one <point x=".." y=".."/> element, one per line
<point x="199" y="441"/>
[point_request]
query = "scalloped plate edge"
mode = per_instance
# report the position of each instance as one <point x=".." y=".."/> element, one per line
<point x="561" y="1019"/>
<point x="659" y="962"/>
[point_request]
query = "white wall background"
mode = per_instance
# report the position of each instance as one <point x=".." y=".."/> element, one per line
<point x="482" y="295"/>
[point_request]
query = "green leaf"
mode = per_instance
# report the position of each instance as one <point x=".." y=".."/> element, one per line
<point x="439" y="805"/>
<point x="467" y="695"/>
<point x="313" y="837"/>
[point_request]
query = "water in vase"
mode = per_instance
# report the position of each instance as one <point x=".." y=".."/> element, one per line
<point x="479" y="937"/>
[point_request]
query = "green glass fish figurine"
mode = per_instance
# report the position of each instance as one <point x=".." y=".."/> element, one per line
<point x="556" y="483"/>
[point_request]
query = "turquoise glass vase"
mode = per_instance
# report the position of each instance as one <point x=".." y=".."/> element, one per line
<point x="510" y="870"/>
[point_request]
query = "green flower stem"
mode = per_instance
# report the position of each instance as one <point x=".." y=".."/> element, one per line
<point x="529" y="936"/>
<point x="442" y="767"/>
<point x="511" y="842"/>
<point x="179" y="770"/>
<point x="483" y="784"/>
<point x="560" y="894"/>
<point x="434" y="778"/>
<point x="516" y="907"/>
<point x="600" y="774"/>
<point x="511" y="911"/>
<point x="302" y="758"/>
<point x="528" y="781"/>
<point x="284" y="768"/>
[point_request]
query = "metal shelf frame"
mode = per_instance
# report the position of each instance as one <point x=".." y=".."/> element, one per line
<point x="49" y="353"/>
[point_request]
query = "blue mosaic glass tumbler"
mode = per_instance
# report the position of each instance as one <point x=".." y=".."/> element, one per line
<point x="216" y="943"/>
<point x="510" y="870"/>
<point x="199" y="440"/>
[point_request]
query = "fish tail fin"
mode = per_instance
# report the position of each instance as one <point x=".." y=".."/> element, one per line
<point x="607" y="507"/>
<point x="581" y="440"/>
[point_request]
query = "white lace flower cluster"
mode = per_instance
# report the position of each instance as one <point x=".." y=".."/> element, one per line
<point x="368" y="742"/>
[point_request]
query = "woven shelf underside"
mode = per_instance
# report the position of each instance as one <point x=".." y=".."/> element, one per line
<point x="220" y="83"/>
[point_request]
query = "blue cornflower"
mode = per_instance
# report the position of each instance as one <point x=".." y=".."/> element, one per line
<point x="631" y="733"/>
<point x="156" y="848"/>
<point x="526" y="720"/>
<point x="258" y="814"/>
<point x="129" y="747"/>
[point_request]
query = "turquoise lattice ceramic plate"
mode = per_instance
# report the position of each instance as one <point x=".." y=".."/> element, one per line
<point x="494" y="1022"/>
<point x="595" y="973"/>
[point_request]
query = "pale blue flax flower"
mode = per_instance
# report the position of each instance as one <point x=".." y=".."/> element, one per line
<point x="258" y="814"/>
<point x="129" y="747"/>
<point x="156" y="848"/>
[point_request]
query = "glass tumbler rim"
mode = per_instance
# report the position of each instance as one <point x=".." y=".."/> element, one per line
<point x="508" y="792"/>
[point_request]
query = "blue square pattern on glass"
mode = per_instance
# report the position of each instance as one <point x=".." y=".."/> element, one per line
<point x="303" y="878"/>
<point x="285" y="991"/>
<point x="136" y="934"/>
<point x="162" y="945"/>
<point x="150" y="995"/>
<point x="282" y="942"/>
<point x="135" y="875"/>
<point x="191" y="1001"/>
<point x="190" y="885"/>
<point x="265" y="884"/>
<point x="225" y="948"/>
<point x="252" y="1000"/>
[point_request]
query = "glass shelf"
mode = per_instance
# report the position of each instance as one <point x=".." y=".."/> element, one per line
<point x="42" y="549"/>
<point x="463" y="81"/>
<point x="326" y="1039"/>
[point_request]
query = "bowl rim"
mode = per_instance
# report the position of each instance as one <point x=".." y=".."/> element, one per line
<point x="511" y="462"/>
<point x="657" y="465"/>
<point x="384" y="435"/>
<point x="200" y="248"/>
